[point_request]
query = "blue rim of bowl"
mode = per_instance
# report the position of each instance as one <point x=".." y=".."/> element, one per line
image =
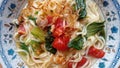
<point x="2" y="7"/>
<point x="2" y="50"/>
<point x="117" y="56"/>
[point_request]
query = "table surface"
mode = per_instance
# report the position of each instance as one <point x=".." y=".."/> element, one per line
<point x="2" y="65"/>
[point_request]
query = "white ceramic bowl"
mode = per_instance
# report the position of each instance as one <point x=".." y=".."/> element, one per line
<point x="9" y="10"/>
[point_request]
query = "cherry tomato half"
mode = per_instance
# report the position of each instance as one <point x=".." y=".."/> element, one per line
<point x="70" y="64"/>
<point x="79" y="64"/>
<point x="82" y="62"/>
<point x="94" y="52"/>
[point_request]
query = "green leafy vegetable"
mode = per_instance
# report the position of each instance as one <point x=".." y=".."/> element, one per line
<point x="38" y="33"/>
<point x="24" y="47"/>
<point x="48" y="42"/>
<point x="80" y="5"/>
<point x="102" y="33"/>
<point x="94" y="28"/>
<point x="76" y="43"/>
<point x="32" y="18"/>
<point x="82" y="14"/>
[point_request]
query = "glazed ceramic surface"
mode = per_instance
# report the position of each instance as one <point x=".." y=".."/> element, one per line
<point x="9" y="10"/>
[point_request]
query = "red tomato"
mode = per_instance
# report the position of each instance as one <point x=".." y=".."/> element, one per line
<point x="58" y="32"/>
<point x="82" y="62"/>
<point x="70" y="64"/>
<point x="60" y="43"/>
<point x="49" y="18"/>
<point x="59" y="27"/>
<point x="94" y="52"/>
<point x="59" y="23"/>
<point x="79" y="64"/>
<point x="66" y="39"/>
<point x="21" y="29"/>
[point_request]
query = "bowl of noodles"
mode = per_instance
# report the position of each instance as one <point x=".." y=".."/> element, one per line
<point x="60" y="33"/>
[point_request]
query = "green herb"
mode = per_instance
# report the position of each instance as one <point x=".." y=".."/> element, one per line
<point x="38" y="33"/>
<point x="80" y="5"/>
<point x="32" y="18"/>
<point x="48" y="42"/>
<point x="76" y="43"/>
<point x="24" y="47"/>
<point x="94" y="28"/>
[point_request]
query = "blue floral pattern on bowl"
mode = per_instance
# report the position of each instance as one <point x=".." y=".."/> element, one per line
<point x="9" y="10"/>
